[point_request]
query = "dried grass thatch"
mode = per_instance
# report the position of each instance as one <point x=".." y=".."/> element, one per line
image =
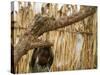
<point x="75" y="46"/>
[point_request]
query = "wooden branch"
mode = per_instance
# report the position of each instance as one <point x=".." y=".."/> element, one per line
<point x="43" y="24"/>
<point x="27" y="43"/>
<point x="50" y="24"/>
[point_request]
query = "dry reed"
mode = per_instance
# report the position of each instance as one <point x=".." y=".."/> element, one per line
<point x="68" y="54"/>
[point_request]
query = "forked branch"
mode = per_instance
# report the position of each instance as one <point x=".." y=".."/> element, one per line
<point x="43" y="24"/>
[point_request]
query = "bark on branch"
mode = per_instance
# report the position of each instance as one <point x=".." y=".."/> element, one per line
<point x="43" y="24"/>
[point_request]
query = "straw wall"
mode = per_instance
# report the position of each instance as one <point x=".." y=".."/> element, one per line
<point x="75" y="46"/>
